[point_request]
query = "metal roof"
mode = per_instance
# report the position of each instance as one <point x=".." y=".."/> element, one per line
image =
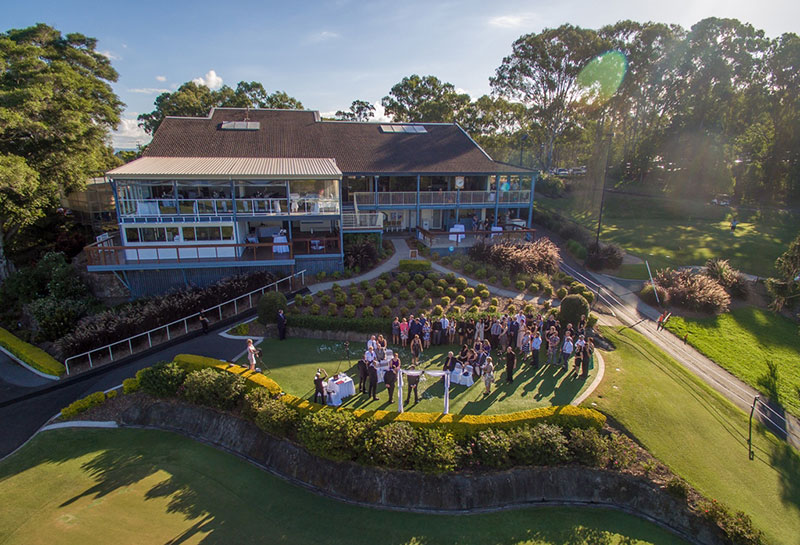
<point x="226" y="167"/>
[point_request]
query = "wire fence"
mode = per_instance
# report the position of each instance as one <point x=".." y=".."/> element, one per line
<point x="167" y="332"/>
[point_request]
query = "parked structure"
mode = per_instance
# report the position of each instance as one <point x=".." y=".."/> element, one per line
<point x="246" y="189"/>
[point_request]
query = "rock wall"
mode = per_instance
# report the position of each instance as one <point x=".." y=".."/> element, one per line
<point x="417" y="491"/>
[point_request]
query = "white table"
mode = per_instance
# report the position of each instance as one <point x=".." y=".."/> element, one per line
<point x="382" y="367"/>
<point x="280" y="244"/>
<point x="458" y="228"/>
<point x="340" y="389"/>
<point x="462" y="376"/>
<point x="252" y="239"/>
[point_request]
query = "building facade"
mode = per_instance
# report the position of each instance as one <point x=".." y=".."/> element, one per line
<point x="241" y="190"/>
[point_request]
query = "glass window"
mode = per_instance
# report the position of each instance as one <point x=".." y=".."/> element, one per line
<point x="172" y="234"/>
<point x="132" y="234"/>
<point x="208" y="233"/>
<point x="227" y="232"/>
<point x="188" y="233"/>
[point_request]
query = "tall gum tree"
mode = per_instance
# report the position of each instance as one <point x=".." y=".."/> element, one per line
<point x="56" y="110"/>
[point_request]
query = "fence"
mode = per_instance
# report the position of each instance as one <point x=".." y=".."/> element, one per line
<point x="167" y="332"/>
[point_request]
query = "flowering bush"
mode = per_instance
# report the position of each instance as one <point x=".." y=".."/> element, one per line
<point x="540" y="255"/>
<point x="693" y="291"/>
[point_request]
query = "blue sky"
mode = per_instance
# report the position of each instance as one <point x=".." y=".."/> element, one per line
<point x="329" y="53"/>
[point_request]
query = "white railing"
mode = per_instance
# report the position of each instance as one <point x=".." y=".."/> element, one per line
<point x="250" y="206"/>
<point x="399" y="198"/>
<point x="165" y="332"/>
<point x="363" y="220"/>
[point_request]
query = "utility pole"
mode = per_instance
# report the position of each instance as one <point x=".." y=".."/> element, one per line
<point x="609" y="136"/>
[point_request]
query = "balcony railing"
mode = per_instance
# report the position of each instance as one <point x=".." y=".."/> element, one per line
<point x="362" y="220"/>
<point x="105" y="255"/>
<point x="316" y="245"/>
<point x="464" y="198"/>
<point x="462" y="239"/>
<point x="271" y="206"/>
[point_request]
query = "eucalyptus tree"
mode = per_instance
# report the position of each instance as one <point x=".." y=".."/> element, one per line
<point x="425" y="100"/>
<point x="360" y="110"/>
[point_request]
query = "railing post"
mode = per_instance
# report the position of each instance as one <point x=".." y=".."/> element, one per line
<point x="130" y="346"/>
<point x="186" y="325"/>
<point x="90" y="360"/>
<point x="220" y="311"/>
<point x="149" y="340"/>
<point x="110" y="354"/>
<point x="66" y="364"/>
<point x="235" y="307"/>
<point x="168" y="337"/>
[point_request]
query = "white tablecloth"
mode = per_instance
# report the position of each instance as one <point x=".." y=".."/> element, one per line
<point x="281" y="245"/>
<point x="340" y="389"/>
<point x="458" y="228"/>
<point x="462" y="376"/>
<point x="382" y="367"/>
<point x="252" y="239"/>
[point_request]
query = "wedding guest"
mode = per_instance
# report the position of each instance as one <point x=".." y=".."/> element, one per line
<point x="487" y="346"/>
<point x="513" y="332"/>
<point x="462" y="356"/>
<point x="390" y="380"/>
<point x="404" y="332"/>
<point x="281" y="321"/>
<point x="370" y="356"/>
<point x="536" y="344"/>
<point x="451" y="332"/>
<point x="204" y="323"/>
<point x="526" y="345"/>
<point x="461" y="330"/>
<point x="363" y="375"/>
<point x="553" y="342"/>
<point x="380" y="352"/>
<point x="587" y="362"/>
<point x="373" y="381"/>
<point x="511" y="362"/>
<point x="414" y="328"/>
<point x="372" y="343"/>
<point x="470" y="331"/>
<point x="426" y="335"/>
<point x="566" y="350"/>
<point x="445" y="323"/>
<point x="450" y="362"/>
<point x="503" y="337"/>
<point x="579" y="344"/>
<point x="582" y="325"/>
<point x="394" y="363"/>
<point x="252" y="352"/>
<point x="494" y="331"/>
<point x="396" y="331"/>
<point x="480" y="327"/>
<point x="436" y="332"/>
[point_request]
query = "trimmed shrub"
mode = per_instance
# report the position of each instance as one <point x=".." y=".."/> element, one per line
<point x="427" y="302"/>
<point x="82" y="405"/>
<point x="340" y="298"/>
<point x="386" y="311"/>
<point x="349" y="311"/>
<point x="254" y="401"/>
<point x="577" y="250"/>
<point x="468" y="268"/>
<point x="213" y="388"/>
<point x="491" y="309"/>
<point x="476" y="301"/>
<point x="506" y="281"/>
<point x="380" y="284"/>
<point x="460" y="300"/>
<point x="411" y="285"/>
<point x="394" y="302"/>
<point x="357" y="300"/>
<point x="588" y="447"/>
<point x="368" y="312"/>
<point x="130" y="385"/>
<point x="528" y="309"/>
<point x="325" y="299"/>
<point x="577" y="287"/>
<point x="473" y="309"/>
<point x="419" y="293"/>
<point x="277" y="418"/>
<point x="414" y="265"/>
<point x="452" y="291"/>
<point x="543" y="444"/>
<point x="461" y="283"/>
<point x="533" y="287"/>
<point x="419" y="278"/>
<point x="268" y="306"/>
<point x="437" y="310"/>
<point x="484" y="294"/>
<point x="520" y="285"/>
<point x="561" y="292"/>
<point x="332" y="434"/>
<point x="376" y="301"/>
<point x="437" y="291"/>
<point x="405" y="295"/>
<point x="469" y="292"/>
<point x="648" y="295"/>
<point x="333" y="309"/>
<point x="572" y="308"/>
<point x="395" y="286"/>
<point x="604" y="256"/>
<point x="490" y="448"/>
<point x="393" y="445"/>
<point x="450" y="277"/>
<point x="588" y="295"/>
<point x="445" y="301"/>
<point x="161" y="380"/>
<point x="494" y="302"/>
<point x="436" y="451"/>
<point x="30" y="354"/>
<point x="314" y="310"/>
<point x="371" y="291"/>
<point x="428" y="284"/>
<point x="308" y="300"/>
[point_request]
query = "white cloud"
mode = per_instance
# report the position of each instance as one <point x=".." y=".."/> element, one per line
<point x="512" y="21"/>
<point x="129" y="134"/>
<point x="210" y="80"/>
<point x="148" y="90"/>
<point x="323" y="36"/>
<point x="161" y="78"/>
<point x="109" y="55"/>
<point x="380" y="113"/>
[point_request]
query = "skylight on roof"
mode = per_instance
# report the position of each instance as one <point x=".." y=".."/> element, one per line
<point x="240" y="125"/>
<point x="408" y="129"/>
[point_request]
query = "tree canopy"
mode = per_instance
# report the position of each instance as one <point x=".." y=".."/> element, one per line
<point x="360" y="110"/>
<point x="56" y="110"/>
<point x="424" y="100"/>
<point x="194" y="100"/>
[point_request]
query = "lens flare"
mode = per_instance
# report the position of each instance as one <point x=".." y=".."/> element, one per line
<point x="604" y="74"/>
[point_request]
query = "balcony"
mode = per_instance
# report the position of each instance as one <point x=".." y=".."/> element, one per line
<point x="294" y="205"/>
<point x="362" y="221"/>
<point x="467" y="239"/>
<point x="442" y="198"/>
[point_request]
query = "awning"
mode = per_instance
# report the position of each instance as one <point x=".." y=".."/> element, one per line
<point x="228" y="167"/>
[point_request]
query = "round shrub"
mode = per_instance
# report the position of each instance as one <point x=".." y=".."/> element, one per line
<point x="484" y="293"/>
<point x="411" y="286"/>
<point x="588" y="295"/>
<point x="349" y="311"/>
<point x="386" y="311"/>
<point x="403" y="277"/>
<point x="325" y="299"/>
<point x="512" y="309"/>
<point x="368" y="312"/>
<point x="420" y="293"/>
<point x="213" y="388"/>
<point x="533" y="287"/>
<point x="130" y="385"/>
<point x="380" y="284"/>
<point x="452" y="291"/>
<point x="376" y="301"/>
<point x="490" y="448"/>
<point x="336" y="275"/>
<point x="577" y="287"/>
<point x="648" y="295"/>
<point x="547" y="290"/>
<point x="493" y="280"/>
<point x="572" y="308"/>
<point x="473" y="309"/>
<point x="428" y="284"/>
<point x="364" y="284"/>
<point x="372" y="292"/>
<point x="393" y="445"/>
<point x="387" y="294"/>
<point x="506" y="281"/>
<point x="445" y="301"/>
<point x="432" y="276"/>
<point x="161" y="380"/>
<point x="357" y="299"/>
<point x="277" y="418"/>
<point x="491" y="309"/>
<point x="321" y="276"/>
<point x="333" y="309"/>
<point x="436" y="451"/>
<point x="308" y="300"/>
<point x="437" y="291"/>
<point x="588" y="447"/>
<point x="404" y="311"/>
<point x="540" y="445"/>
<point x="480" y="273"/>
<point x="395" y="286"/>
<point x="561" y="292"/>
<point x="461" y="283"/>
<point x="520" y="285"/>
<point x="450" y="277"/>
<point x="394" y="302"/>
<point x="481" y="287"/>
<point x="528" y="309"/>
<point x="460" y="300"/>
<point x="442" y="282"/>
<point x="427" y="302"/>
<point x="468" y="268"/>
<point x="476" y="301"/>
<point x="494" y="302"/>
<point x="332" y="434"/>
<point x="314" y="309"/>
<point x="405" y="295"/>
<point x="419" y="278"/>
<point x="469" y="292"/>
<point x="268" y="306"/>
<point x="455" y="311"/>
<point x="437" y="310"/>
<point x="340" y="298"/>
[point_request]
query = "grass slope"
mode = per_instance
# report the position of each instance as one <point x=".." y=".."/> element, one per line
<point x="700" y="435"/>
<point x="743" y="341"/>
<point x="672" y="232"/>
<point x="293" y="362"/>
<point x="140" y="486"/>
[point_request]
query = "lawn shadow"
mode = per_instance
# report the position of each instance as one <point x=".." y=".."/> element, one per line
<point x="787" y="461"/>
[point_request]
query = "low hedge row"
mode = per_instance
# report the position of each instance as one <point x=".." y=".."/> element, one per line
<point x="566" y="416"/>
<point x="86" y="403"/>
<point x="31" y="355"/>
<point x="414" y="265"/>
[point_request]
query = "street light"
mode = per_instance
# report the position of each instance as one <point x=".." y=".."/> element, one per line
<point x="609" y="136"/>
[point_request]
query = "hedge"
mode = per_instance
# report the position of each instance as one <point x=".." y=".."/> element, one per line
<point x="566" y="416"/>
<point x="31" y="355"/>
<point x="84" y="404"/>
<point x="337" y="323"/>
<point x="414" y="265"/>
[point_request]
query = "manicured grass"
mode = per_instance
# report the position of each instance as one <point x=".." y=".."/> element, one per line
<point x="700" y="435"/>
<point x="293" y="362"/>
<point x="141" y="486"/>
<point x="743" y="341"/>
<point x="671" y="232"/>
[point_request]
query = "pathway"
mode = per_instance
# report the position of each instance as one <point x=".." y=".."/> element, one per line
<point x="400" y="252"/>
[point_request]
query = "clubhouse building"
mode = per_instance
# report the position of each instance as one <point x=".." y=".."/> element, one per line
<point x="243" y="190"/>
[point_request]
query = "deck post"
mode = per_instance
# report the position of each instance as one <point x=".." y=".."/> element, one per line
<point x="530" y="204"/>
<point x="418" y="210"/>
<point x="496" y="199"/>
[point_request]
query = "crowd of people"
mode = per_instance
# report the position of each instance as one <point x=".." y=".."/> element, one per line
<point x="516" y="340"/>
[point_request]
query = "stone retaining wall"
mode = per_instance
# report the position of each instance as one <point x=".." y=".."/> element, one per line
<point x="417" y="491"/>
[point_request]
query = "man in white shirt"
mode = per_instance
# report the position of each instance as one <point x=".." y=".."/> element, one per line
<point x="536" y="344"/>
<point x="372" y="343"/>
<point x="445" y="326"/>
<point x="369" y="355"/>
<point x="566" y="351"/>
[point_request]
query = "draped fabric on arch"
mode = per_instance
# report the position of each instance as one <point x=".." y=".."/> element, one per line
<point x="417" y="373"/>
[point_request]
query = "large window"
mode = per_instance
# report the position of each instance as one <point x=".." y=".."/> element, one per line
<point x="177" y="234"/>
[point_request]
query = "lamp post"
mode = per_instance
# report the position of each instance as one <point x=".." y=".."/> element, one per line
<point x="609" y="136"/>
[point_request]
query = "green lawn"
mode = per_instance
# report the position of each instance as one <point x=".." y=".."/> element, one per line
<point x="672" y="232"/>
<point x="700" y="435"/>
<point x="143" y="486"/>
<point x="743" y="341"/>
<point x="293" y="362"/>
